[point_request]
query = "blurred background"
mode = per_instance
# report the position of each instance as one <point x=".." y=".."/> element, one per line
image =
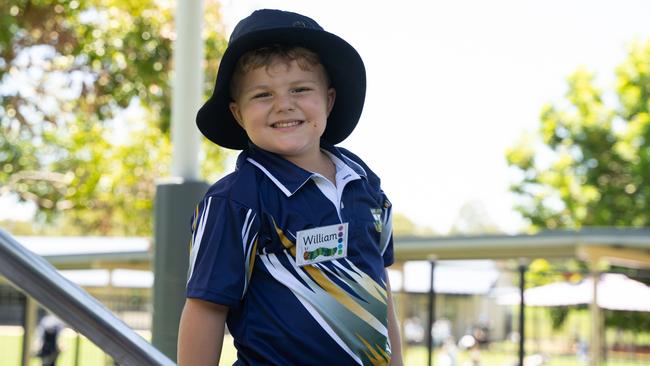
<point x="495" y="126"/>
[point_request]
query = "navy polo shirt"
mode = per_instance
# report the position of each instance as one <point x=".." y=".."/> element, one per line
<point x="243" y="256"/>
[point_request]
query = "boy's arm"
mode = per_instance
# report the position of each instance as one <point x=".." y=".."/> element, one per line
<point x="393" y="330"/>
<point x="200" y="333"/>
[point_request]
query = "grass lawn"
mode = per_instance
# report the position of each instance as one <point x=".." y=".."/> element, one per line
<point x="90" y="355"/>
<point x="417" y="356"/>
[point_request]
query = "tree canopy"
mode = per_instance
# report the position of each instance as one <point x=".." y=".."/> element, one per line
<point x="594" y="167"/>
<point x="85" y="108"/>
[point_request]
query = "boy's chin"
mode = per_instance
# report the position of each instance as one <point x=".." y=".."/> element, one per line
<point x="294" y="152"/>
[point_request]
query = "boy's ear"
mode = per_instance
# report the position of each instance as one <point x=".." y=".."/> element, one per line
<point x="331" y="97"/>
<point x="236" y="112"/>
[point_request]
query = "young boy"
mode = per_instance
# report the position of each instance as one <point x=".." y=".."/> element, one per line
<point x="289" y="250"/>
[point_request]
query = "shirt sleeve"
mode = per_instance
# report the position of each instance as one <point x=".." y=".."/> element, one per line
<point x="222" y="251"/>
<point x="386" y="239"/>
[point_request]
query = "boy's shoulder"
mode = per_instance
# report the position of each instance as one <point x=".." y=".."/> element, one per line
<point x="243" y="184"/>
<point x="238" y="186"/>
<point x="355" y="159"/>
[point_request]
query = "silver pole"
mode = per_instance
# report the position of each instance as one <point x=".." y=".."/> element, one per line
<point x="187" y="83"/>
<point x="595" y="353"/>
<point x="177" y="197"/>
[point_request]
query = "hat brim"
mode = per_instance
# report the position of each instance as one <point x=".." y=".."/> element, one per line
<point x="343" y="64"/>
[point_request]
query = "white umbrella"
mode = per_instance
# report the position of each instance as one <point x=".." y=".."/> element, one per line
<point x="618" y="292"/>
<point x="615" y="292"/>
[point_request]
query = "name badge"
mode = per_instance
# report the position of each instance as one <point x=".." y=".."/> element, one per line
<point x="321" y="244"/>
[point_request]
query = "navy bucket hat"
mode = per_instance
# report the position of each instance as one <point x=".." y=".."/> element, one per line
<point x="265" y="27"/>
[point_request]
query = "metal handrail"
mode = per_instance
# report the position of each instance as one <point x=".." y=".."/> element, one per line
<point x="40" y="280"/>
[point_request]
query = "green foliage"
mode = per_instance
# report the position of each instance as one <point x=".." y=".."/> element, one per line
<point x="627" y="320"/>
<point x="598" y="173"/>
<point x="17" y="227"/>
<point x="558" y="316"/>
<point x="594" y="169"/>
<point x="74" y="76"/>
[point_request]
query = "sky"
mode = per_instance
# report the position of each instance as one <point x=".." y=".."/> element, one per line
<point x="453" y="84"/>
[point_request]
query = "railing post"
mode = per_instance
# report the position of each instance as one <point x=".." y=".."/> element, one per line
<point x="30" y="313"/>
<point x="522" y="312"/>
<point x="431" y="313"/>
<point x="77" y="349"/>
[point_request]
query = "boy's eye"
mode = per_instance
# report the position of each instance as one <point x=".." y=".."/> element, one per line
<point x="301" y="89"/>
<point x="261" y="95"/>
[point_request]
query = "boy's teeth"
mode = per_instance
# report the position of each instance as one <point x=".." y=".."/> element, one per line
<point x="286" y="124"/>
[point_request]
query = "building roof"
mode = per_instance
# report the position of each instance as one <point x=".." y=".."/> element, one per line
<point x="461" y="277"/>
<point x="623" y="246"/>
<point x="71" y="252"/>
<point x="130" y="278"/>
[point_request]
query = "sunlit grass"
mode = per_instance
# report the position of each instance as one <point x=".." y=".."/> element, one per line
<point x="91" y="355"/>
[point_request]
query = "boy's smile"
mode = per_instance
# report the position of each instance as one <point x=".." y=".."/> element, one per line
<point x="284" y="109"/>
<point x="282" y="124"/>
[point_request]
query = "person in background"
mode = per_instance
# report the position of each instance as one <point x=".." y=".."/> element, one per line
<point x="48" y="330"/>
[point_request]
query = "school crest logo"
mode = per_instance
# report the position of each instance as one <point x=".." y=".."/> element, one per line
<point x="376" y="214"/>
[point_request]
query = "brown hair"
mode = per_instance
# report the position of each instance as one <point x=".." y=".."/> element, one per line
<point x="265" y="56"/>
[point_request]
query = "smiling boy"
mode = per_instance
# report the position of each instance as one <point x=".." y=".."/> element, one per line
<point x="290" y="249"/>
<point x="283" y="108"/>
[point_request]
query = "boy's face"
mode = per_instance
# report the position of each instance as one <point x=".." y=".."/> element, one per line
<point x="284" y="108"/>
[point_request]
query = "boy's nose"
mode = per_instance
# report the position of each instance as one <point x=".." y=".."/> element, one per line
<point x="284" y="103"/>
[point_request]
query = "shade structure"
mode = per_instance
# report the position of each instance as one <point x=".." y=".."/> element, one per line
<point x="469" y="277"/>
<point x="615" y="292"/>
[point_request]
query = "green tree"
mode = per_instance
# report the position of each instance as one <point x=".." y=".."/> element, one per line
<point x="85" y="108"/>
<point x="595" y="167"/>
